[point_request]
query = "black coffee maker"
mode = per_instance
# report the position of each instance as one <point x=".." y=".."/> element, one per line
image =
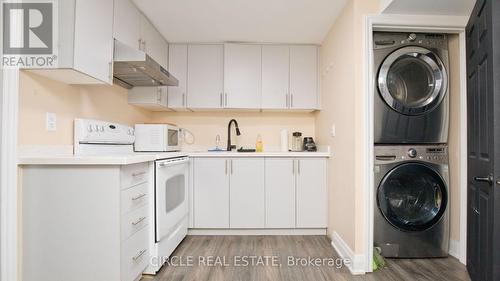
<point x="309" y="144"/>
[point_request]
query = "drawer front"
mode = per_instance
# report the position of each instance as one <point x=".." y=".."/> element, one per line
<point x="134" y="197"/>
<point x="134" y="174"/>
<point x="135" y="255"/>
<point x="134" y="221"/>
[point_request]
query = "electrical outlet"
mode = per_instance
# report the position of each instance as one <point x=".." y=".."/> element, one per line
<point x="332" y="132"/>
<point x="51" y="122"/>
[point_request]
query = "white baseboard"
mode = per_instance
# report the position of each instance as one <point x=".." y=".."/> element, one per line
<point x="357" y="262"/>
<point x="277" y="231"/>
<point x="454" y="249"/>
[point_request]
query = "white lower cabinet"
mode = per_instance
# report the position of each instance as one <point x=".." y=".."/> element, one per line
<point x="280" y="193"/>
<point x="247" y="195"/>
<point x="311" y="193"/>
<point x="85" y="222"/>
<point x="260" y="193"/>
<point x="211" y="193"/>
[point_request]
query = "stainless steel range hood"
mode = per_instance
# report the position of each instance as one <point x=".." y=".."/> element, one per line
<point x="132" y="67"/>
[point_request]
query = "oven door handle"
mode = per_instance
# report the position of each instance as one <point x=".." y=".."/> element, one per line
<point x="169" y="163"/>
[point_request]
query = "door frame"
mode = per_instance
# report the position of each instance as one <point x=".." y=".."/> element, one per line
<point x="422" y="23"/>
<point x="9" y="220"/>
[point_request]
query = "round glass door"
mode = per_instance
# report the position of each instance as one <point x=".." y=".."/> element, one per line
<point x="412" y="197"/>
<point x="412" y="80"/>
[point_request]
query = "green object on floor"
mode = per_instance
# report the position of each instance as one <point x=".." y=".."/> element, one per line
<point x="378" y="260"/>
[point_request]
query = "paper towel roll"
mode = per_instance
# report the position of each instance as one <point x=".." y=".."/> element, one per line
<point x="284" y="140"/>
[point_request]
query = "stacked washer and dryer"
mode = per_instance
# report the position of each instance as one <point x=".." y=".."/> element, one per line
<point x="411" y="216"/>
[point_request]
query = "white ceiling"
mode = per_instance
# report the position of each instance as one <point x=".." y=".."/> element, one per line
<point x="429" y="7"/>
<point x="273" y="21"/>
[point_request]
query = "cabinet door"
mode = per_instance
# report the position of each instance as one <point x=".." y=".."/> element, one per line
<point x="303" y="77"/>
<point x="152" y="98"/>
<point x="126" y="26"/>
<point x="205" y="76"/>
<point x="275" y="73"/>
<point x="311" y="192"/>
<point x="177" y="66"/>
<point x="242" y="76"/>
<point x="247" y="193"/>
<point x="280" y="193"/>
<point x="93" y="42"/>
<point x="153" y="43"/>
<point x="211" y="193"/>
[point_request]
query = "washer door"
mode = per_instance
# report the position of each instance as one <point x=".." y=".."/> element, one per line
<point x="412" y="80"/>
<point x="412" y="197"/>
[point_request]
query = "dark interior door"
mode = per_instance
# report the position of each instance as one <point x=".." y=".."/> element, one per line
<point x="483" y="105"/>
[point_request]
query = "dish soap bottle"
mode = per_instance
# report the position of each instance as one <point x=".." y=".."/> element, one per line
<point x="259" y="146"/>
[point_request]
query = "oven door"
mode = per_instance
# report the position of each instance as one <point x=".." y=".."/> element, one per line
<point x="171" y="195"/>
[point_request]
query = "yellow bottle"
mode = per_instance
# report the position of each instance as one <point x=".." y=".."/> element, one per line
<point x="259" y="146"/>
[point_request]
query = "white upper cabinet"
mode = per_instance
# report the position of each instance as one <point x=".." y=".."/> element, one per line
<point x="242" y="76"/>
<point x="152" y="98"/>
<point x="205" y="76"/>
<point x="127" y="23"/>
<point x="153" y="43"/>
<point x="177" y="66"/>
<point x="275" y="76"/>
<point x="303" y="77"/>
<point x="132" y="28"/>
<point x="85" y="47"/>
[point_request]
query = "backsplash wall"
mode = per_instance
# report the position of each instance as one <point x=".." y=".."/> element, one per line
<point x="207" y="125"/>
<point x="38" y="95"/>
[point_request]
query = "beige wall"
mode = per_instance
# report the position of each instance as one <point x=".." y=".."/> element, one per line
<point x="342" y="62"/>
<point x="454" y="137"/>
<point x="38" y="95"/>
<point x="207" y="125"/>
<point x="337" y="95"/>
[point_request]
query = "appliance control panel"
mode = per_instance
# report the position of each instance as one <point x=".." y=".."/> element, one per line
<point x="102" y="132"/>
<point x="432" y="153"/>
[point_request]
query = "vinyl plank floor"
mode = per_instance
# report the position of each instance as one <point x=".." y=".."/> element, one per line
<point x="220" y="258"/>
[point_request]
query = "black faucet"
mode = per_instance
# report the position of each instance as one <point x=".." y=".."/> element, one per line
<point x="229" y="146"/>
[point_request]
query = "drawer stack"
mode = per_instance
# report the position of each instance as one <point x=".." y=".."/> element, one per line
<point x="134" y="219"/>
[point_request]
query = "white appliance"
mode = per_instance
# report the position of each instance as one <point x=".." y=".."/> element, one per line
<point x="157" y="137"/>
<point x="95" y="137"/>
<point x="171" y="210"/>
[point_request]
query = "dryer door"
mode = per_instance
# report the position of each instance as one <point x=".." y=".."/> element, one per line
<point x="412" y="197"/>
<point x="412" y="80"/>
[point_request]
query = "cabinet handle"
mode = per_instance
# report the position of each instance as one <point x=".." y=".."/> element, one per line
<point x="138" y="196"/>
<point x="225" y="99"/>
<point x="144" y="46"/>
<point x="140" y="43"/>
<point x="138" y="221"/>
<point x="225" y="171"/>
<point x="138" y="174"/>
<point x="158" y="95"/>
<point x="291" y="100"/>
<point x="231" y="166"/>
<point x="221" y="100"/>
<point x="293" y="167"/>
<point x="136" y="257"/>
<point x="286" y="98"/>
<point x="298" y="167"/>
<point x="110" y="71"/>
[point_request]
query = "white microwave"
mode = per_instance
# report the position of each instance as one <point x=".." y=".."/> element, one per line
<point x="156" y="137"/>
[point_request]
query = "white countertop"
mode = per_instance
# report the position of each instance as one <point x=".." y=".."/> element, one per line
<point x="126" y="159"/>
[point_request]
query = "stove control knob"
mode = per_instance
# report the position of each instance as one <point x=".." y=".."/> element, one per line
<point x="412" y="37"/>
<point x="90" y="128"/>
<point x="412" y="152"/>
